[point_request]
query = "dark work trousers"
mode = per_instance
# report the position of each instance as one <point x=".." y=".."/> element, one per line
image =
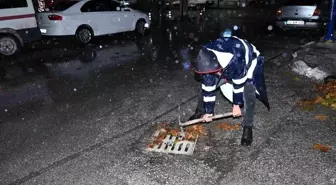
<point x="249" y="96"/>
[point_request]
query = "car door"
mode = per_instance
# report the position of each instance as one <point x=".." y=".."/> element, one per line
<point x="124" y="15"/>
<point x="98" y="14"/>
<point x="128" y="18"/>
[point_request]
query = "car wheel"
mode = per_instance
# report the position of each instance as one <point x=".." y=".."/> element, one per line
<point x="84" y="35"/>
<point x="140" y="27"/>
<point x="9" y="45"/>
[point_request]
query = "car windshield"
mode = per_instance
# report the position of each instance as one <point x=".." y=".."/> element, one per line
<point x="63" y="6"/>
<point x="302" y="2"/>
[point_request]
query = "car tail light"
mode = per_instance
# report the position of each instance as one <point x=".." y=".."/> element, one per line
<point x="55" y="17"/>
<point x="279" y="12"/>
<point x="316" y="12"/>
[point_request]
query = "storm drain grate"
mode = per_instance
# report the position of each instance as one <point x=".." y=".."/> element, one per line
<point x="172" y="145"/>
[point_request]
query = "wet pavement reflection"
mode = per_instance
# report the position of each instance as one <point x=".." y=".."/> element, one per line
<point x="57" y="69"/>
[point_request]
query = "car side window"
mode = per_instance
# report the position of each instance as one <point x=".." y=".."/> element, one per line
<point x="96" y="6"/>
<point x="13" y="4"/>
<point x="115" y="6"/>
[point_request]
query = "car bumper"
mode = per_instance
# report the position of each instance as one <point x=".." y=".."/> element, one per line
<point x="306" y="25"/>
<point x="56" y="30"/>
<point x="30" y="34"/>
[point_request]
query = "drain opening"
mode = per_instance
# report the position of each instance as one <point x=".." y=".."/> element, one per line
<point x="171" y="144"/>
<point x="187" y="147"/>
<point x="160" y="145"/>
<point x="180" y="147"/>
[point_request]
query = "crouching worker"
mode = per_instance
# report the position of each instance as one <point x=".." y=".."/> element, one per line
<point x="236" y="67"/>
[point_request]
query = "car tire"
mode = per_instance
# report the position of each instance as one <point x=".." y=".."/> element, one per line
<point x="140" y="27"/>
<point x="84" y="34"/>
<point x="9" y="45"/>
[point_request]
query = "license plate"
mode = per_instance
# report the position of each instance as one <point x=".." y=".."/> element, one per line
<point x="43" y="30"/>
<point x="295" y="22"/>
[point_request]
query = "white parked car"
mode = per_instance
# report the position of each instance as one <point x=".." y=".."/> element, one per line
<point x="88" y="18"/>
<point x="17" y="25"/>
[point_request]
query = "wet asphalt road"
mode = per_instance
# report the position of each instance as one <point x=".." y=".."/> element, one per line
<point x="78" y="115"/>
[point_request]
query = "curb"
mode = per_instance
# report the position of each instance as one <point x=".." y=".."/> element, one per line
<point x="293" y="50"/>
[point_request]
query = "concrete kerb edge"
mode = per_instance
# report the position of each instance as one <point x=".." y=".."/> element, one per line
<point x="293" y="50"/>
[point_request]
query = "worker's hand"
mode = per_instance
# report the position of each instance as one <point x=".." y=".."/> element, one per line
<point x="236" y="112"/>
<point x="207" y="117"/>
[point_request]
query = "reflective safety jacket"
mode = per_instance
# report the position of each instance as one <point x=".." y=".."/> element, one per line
<point x="235" y="62"/>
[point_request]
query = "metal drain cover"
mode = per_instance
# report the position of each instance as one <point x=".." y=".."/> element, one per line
<point x="172" y="145"/>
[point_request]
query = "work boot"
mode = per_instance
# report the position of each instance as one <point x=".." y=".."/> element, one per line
<point x="247" y="137"/>
<point x="197" y="115"/>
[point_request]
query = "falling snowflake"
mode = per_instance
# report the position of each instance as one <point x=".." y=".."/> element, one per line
<point x="100" y="46"/>
<point x="169" y="95"/>
<point x="243" y="5"/>
<point x="235" y="27"/>
<point x="196" y="39"/>
<point x="270" y="27"/>
<point x="22" y="118"/>
<point x="75" y="89"/>
<point x="237" y="45"/>
<point x="6" y="110"/>
<point x="294" y="55"/>
<point x="176" y="61"/>
<point x="150" y="80"/>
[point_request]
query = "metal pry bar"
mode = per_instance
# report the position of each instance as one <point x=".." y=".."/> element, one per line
<point x="218" y="116"/>
<point x="182" y="134"/>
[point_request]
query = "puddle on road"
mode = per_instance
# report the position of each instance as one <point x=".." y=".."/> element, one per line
<point x="95" y="60"/>
<point x="164" y="49"/>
